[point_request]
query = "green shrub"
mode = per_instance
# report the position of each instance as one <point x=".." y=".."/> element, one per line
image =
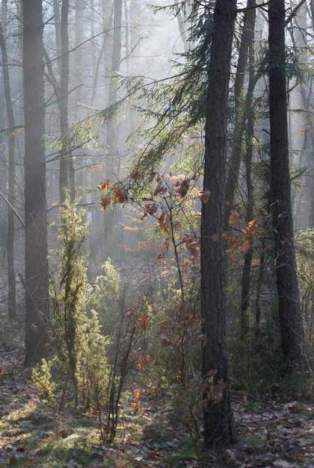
<point x="42" y="379"/>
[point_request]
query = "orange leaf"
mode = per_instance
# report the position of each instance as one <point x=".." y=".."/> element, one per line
<point x="136" y="397"/>
<point x="144" y="321"/>
<point x="105" y="202"/>
<point x="104" y="186"/>
<point x="251" y="229"/>
<point x="142" y="362"/>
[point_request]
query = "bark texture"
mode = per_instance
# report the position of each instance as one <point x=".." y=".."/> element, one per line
<point x="218" y="430"/>
<point x="36" y="263"/>
<point x="290" y="317"/>
<point x="241" y="109"/>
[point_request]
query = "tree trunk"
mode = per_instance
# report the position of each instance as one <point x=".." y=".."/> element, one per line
<point x="248" y="159"/>
<point x="299" y="123"/>
<point x="259" y="285"/>
<point x="312" y="10"/>
<point x="57" y="22"/>
<point x="290" y="318"/>
<point x="67" y="178"/>
<point x="36" y="263"/>
<point x="11" y="195"/>
<point x="78" y="80"/>
<point x="240" y="109"/>
<point x="218" y="429"/>
<point x="113" y="162"/>
<point x="78" y="65"/>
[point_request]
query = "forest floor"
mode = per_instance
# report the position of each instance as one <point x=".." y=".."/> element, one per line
<point x="270" y="433"/>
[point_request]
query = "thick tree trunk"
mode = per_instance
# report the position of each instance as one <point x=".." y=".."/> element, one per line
<point x="291" y="324"/>
<point x="36" y="263"/>
<point x="217" y="408"/>
<point x="11" y="197"/>
<point x="240" y="109"/>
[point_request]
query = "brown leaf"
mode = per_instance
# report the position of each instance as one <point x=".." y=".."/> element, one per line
<point x="119" y="195"/>
<point x="105" y="201"/>
<point x="204" y="196"/>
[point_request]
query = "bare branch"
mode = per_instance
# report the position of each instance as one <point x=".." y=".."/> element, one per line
<point x="12" y="208"/>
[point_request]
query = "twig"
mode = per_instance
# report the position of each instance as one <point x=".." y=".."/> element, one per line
<point x="19" y="217"/>
<point x="294" y="12"/>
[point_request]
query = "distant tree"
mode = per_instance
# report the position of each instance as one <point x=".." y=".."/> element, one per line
<point x="218" y="428"/>
<point x="36" y="262"/>
<point x="290" y="317"/>
<point x="113" y="158"/>
<point x="67" y="176"/>
<point x="12" y="176"/>
<point x="113" y="163"/>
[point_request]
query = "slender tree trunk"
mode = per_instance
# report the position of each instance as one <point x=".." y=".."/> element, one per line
<point x="312" y="10"/>
<point x="78" y="77"/>
<point x="11" y="146"/>
<point x="290" y="318"/>
<point x="259" y="284"/>
<point x="113" y="162"/>
<point x="36" y="263"/>
<point x="299" y="123"/>
<point x="217" y="407"/>
<point x="248" y="159"/>
<point x="67" y="178"/>
<point x="240" y="109"/>
<point x="78" y="80"/>
<point x="248" y="258"/>
<point x="57" y="22"/>
<point x="132" y="22"/>
<point x="103" y="56"/>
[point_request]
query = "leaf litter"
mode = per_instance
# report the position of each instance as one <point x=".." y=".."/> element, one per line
<point x="270" y="433"/>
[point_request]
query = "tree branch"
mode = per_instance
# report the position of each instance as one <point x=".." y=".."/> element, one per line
<point x="294" y="12"/>
<point x="12" y="208"/>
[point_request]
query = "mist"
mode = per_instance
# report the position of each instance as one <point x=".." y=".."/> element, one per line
<point x="156" y="232"/>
